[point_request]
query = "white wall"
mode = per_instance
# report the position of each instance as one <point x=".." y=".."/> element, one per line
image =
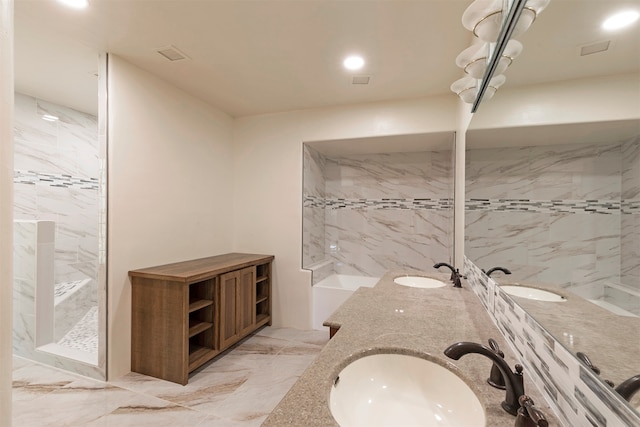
<point x="169" y="187"/>
<point x="6" y="207"/>
<point x="268" y="180"/>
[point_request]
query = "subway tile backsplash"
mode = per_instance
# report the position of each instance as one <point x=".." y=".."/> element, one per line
<point x="578" y="397"/>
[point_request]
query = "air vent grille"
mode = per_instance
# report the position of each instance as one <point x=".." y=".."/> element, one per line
<point x="172" y="53"/>
<point x="360" y="80"/>
<point x="594" y="48"/>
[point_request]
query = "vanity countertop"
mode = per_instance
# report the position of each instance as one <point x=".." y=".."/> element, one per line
<point x="408" y="320"/>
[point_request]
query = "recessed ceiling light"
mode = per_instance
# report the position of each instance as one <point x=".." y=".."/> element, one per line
<point x="353" y="62"/>
<point x="76" y="4"/>
<point x="620" y="20"/>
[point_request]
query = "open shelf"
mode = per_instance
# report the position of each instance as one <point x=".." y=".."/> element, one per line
<point x="199" y="355"/>
<point x="198" y="304"/>
<point x="195" y="327"/>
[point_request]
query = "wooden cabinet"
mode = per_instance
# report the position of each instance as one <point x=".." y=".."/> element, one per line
<point x="237" y="305"/>
<point x="184" y="314"/>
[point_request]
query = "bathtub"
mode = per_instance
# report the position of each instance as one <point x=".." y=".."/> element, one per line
<point x="328" y="294"/>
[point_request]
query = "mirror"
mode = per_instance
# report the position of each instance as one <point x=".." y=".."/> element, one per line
<point x="59" y="197"/>
<point x="553" y="196"/>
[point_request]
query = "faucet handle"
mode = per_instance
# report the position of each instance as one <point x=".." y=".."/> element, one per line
<point x="585" y="359"/>
<point x="529" y="415"/>
<point x="495" y="377"/>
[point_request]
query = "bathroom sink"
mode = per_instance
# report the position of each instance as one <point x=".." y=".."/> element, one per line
<point x="419" y="282"/>
<point x="532" y="293"/>
<point x="402" y="390"/>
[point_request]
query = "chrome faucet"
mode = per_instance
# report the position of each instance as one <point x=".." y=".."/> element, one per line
<point x="513" y="380"/>
<point x="491" y="270"/>
<point x="455" y="273"/>
<point x="629" y="387"/>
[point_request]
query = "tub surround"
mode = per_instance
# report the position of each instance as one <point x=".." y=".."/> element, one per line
<point x="359" y="210"/>
<point x="400" y="319"/>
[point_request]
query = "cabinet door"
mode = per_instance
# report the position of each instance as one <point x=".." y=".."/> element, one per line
<point x="229" y="295"/>
<point x="247" y="301"/>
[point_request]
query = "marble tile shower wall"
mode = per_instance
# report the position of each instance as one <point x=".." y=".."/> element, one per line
<point x="549" y="213"/>
<point x="313" y="216"/>
<point x="56" y="169"/>
<point x="382" y="211"/>
<point x="630" y="226"/>
<point x="577" y="395"/>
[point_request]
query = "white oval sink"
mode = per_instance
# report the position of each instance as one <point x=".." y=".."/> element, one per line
<point x="532" y="293"/>
<point x="401" y="390"/>
<point x="419" y="282"/>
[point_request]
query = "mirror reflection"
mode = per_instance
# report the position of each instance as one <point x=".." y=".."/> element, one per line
<point x="552" y="193"/>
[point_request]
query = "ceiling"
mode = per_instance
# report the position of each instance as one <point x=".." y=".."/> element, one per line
<point x="253" y="57"/>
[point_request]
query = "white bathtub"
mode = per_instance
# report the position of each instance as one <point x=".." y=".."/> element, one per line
<point x="331" y="292"/>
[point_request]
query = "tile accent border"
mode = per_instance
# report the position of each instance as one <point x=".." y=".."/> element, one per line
<point x="575" y="393"/>
<point x="385" y="203"/>
<point x="54" y="180"/>
<point x="554" y="206"/>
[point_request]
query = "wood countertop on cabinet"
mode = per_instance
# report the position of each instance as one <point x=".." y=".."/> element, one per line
<point x="202" y="268"/>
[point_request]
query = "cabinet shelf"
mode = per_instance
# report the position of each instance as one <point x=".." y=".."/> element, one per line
<point x="195" y="327"/>
<point x="260" y="299"/>
<point x="198" y="304"/>
<point x="199" y="355"/>
<point x="262" y="319"/>
<point x="261" y="279"/>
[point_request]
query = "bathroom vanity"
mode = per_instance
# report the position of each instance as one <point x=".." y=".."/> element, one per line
<point x="395" y="319"/>
<point x="186" y="313"/>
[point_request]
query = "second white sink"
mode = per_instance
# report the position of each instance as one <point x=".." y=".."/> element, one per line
<point x="402" y="390"/>
<point x="532" y="293"/>
<point x="419" y="282"/>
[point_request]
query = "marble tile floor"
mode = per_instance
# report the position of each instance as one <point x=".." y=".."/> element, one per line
<point x="238" y="388"/>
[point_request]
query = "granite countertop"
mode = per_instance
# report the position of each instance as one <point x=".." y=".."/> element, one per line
<point x="391" y="317"/>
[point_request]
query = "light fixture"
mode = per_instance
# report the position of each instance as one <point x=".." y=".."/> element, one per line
<point x="467" y="87"/>
<point x="353" y="62"/>
<point x="75" y="4"/>
<point x="485" y="17"/>
<point x="473" y="60"/>
<point x="620" y="20"/>
<point x="494" y="23"/>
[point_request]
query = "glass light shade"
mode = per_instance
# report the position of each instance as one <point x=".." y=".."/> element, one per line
<point x="494" y="84"/>
<point x="529" y="14"/>
<point x="466" y="88"/>
<point x="485" y="18"/>
<point x="473" y="60"/>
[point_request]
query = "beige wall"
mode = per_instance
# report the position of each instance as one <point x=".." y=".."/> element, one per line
<point x="6" y="207"/>
<point x="169" y="191"/>
<point x="268" y="180"/>
<point x="574" y="101"/>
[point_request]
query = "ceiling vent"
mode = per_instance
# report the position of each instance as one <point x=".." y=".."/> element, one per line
<point x="172" y="53"/>
<point x="360" y="80"/>
<point x="594" y="48"/>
